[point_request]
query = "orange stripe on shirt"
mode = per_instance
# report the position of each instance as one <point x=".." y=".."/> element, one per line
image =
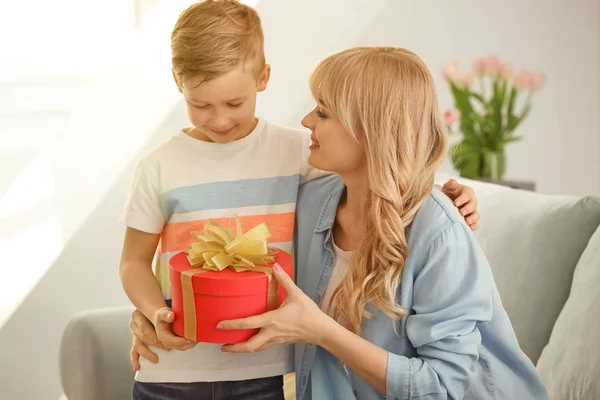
<point x="176" y="236"/>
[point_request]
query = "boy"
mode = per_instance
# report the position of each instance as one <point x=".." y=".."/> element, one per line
<point x="229" y="162"/>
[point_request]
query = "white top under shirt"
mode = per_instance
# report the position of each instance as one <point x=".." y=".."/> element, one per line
<point x="181" y="183"/>
<point x="342" y="261"/>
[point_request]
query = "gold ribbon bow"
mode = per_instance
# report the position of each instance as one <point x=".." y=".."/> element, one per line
<point x="220" y="247"/>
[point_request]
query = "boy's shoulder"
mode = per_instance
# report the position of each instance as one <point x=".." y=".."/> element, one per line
<point x="165" y="151"/>
<point x="286" y="133"/>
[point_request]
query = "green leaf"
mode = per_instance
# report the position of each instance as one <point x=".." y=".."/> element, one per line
<point x="510" y="109"/>
<point x="466" y="159"/>
<point x="478" y="97"/>
<point x="511" y="139"/>
<point x="515" y="121"/>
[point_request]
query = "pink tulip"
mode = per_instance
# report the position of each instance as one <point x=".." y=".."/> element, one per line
<point x="451" y="116"/>
<point x="506" y="71"/>
<point x="531" y="80"/>
<point x="478" y="66"/>
<point x="491" y="65"/>
<point x="523" y="80"/>
<point x="537" y="80"/>
<point x="466" y="78"/>
<point x="451" y="71"/>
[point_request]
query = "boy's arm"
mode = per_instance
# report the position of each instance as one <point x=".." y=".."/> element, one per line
<point x="136" y="274"/>
<point x="144" y="218"/>
<point x="143" y="290"/>
<point x="465" y="200"/>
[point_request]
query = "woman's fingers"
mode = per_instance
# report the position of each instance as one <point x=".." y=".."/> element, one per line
<point x="255" y="322"/>
<point x="253" y="344"/>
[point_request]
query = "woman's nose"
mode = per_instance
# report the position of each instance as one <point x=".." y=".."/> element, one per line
<point x="307" y="121"/>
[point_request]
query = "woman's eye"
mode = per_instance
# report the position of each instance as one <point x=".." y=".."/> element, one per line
<point x="235" y="105"/>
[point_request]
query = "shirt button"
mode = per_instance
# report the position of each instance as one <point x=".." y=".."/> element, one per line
<point x="355" y="393"/>
<point x="319" y="298"/>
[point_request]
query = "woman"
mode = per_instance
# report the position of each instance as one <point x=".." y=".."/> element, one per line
<point x="405" y="305"/>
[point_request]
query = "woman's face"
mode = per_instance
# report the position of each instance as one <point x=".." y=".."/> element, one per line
<point x="332" y="148"/>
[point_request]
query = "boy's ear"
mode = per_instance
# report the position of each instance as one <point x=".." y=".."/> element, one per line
<point x="263" y="80"/>
<point x="177" y="81"/>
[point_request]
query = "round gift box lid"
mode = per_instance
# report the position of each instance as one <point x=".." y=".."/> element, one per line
<point x="227" y="282"/>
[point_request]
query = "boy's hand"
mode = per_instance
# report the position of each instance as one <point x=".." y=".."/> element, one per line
<point x="465" y="200"/>
<point x="162" y="322"/>
<point x="139" y="348"/>
<point x="144" y="335"/>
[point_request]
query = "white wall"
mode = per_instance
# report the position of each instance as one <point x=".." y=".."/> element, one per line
<point x="83" y="277"/>
<point x="561" y="148"/>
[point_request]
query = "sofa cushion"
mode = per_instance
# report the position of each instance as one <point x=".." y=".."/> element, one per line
<point x="533" y="243"/>
<point x="570" y="362"/>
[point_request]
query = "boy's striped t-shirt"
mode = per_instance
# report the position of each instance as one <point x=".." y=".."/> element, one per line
<point x="183" y="182"/>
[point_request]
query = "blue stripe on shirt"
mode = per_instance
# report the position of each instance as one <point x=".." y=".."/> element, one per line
<point x="233" y="194"/>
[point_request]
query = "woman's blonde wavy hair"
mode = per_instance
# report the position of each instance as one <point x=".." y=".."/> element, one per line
<point x="385" y="98"/>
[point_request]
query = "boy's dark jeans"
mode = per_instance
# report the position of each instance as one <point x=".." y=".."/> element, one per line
<point x="252" y="389"/>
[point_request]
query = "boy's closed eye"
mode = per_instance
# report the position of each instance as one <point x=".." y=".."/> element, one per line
<point x="230" y="105"/>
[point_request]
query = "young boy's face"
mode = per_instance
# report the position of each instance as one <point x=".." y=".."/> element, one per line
<point x="222" y="109"/>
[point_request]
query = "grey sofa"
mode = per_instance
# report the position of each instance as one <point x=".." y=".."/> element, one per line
<point x="545" y="255"/>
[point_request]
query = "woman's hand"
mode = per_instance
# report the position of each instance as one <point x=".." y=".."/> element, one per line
<point x="299" y="319"/>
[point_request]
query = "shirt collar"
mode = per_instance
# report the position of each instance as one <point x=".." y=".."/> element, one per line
<point x="329" y="209"/>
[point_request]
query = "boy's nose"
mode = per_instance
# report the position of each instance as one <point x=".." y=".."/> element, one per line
<point x="220" y="121"/>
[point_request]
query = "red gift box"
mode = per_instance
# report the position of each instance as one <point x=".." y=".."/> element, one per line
<point x="223" y="295"/>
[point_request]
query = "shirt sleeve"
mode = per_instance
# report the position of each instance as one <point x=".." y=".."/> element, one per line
<point x="452" y="297"/>
<point x="143" y="210"/>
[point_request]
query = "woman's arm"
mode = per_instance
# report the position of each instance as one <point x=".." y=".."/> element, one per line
<point x="452" y="294"/>
<point x="299" y="319"/>
<point x="366" y="359"/>
<point x="452" y="297"/>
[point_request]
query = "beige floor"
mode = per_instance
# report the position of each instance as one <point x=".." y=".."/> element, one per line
<point x="289" y="386"/>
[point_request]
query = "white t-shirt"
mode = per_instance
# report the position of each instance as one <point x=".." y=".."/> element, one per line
<point x="183" y="182"/>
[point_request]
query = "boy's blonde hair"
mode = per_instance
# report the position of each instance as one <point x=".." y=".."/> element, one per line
<point x="385" y="98"/>
<point x="213" y="37"/>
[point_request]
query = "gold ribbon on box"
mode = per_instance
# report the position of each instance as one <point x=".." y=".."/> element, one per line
<point x="221" y="247"/>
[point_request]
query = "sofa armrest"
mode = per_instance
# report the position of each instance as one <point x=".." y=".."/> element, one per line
<point x="94" y="355"/>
